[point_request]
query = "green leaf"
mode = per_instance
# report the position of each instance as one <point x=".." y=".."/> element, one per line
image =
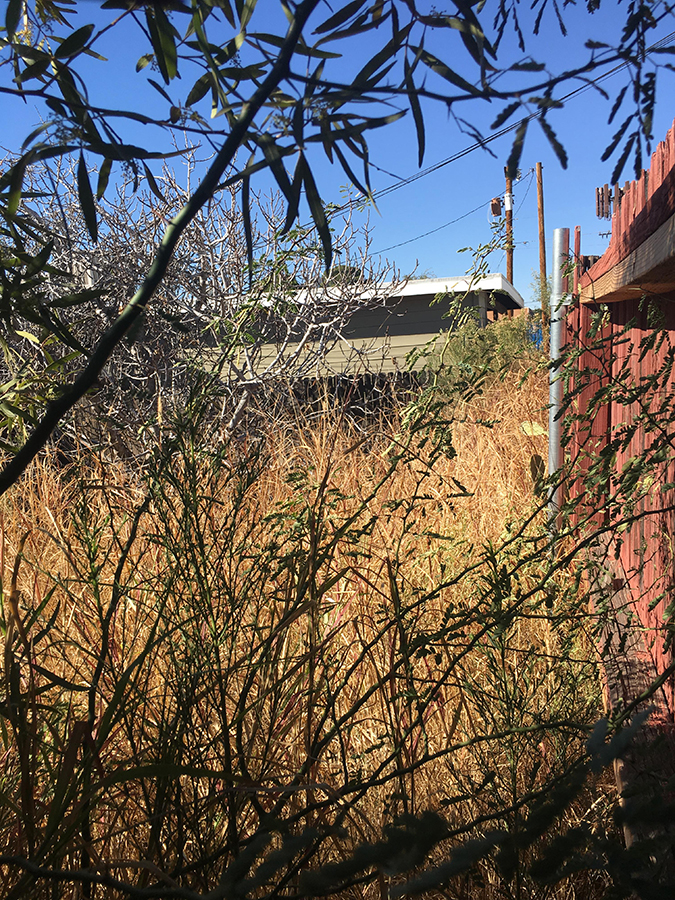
<point x="35" y="70"/>
<point x="614" y="143"/>
<point x="200" y="88"/>
<point x="517" y="149"/>
<point x="153" y="184"/>
<point x="56" y="107"/>
<point x="246" y="13"/>
<point x="226" y="7"/>
<point x="76" y="299"/>
<point x="145" y="60"/>
<point x="28" y="336"/>
<point x="440" y="68"/>
<point x="103" y="176"/>
<point x="300" y="50"/>
<point x="163" y="42"/>
<point x="252" y="168"/>
<point x="349" y="172"/>
<point x="380" y="58"/>
<point x="12" y="17"/>
<point x="294" y="201"/>
<point x="86" y="198"/>
<point x="318" y="214"/>
<point x="506" y="114"/>
<point x="273" y="156"/>
<point x="15" y="184"/>
<point x="416" y="110"/>
<point x="31" y="137"/>
<point x="558" y="148"/>
<point x="160" y="90"/>
<point x="74" y="43"/>
<point x="246" y="217"/>
<point x="341" y="16"/>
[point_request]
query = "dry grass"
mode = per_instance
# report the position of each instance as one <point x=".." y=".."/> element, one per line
<point x="326" y="629"/>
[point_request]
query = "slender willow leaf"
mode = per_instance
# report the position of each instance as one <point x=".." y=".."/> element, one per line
<point x="252" y="168"/>
<point x="349" y="172"/>
<point x="301" y="50"/>
<point x="74" y="43"/>
<point x="340" y="17"/>
<point x="440" y="68"/>
<point x="12" y="17"/>
<point x="226" y="7"/>
<point x="618" y="168"/>
<point x="160" y="90"/>
<point x="77" y="103"/>
<point x="318" y="214"/>
<point x="163" y="43"/>
<point x="153" y="184"/>
<point x="616" y="139"/>
<point x="246" y="217"/>
<point x="35" y="70"/>
<point x="294" y="201"/>
<point x="416" y="110"/>
<point x="351" y="130"/>
<point x="56" y="106"/>
<point x="246" y="13"/>
<point x="103" y="176"/>
<point x="554" y="142"/>
<point x="15" y="184"/>
<point x="380" y="58"/>
<point x="76" y="299"/>
<point x="31" y="137"/>
<point x="516" y="151"/>
<point x="506" y="114"/>
<point x="360" y="26"/>
<point x="273" y="156"/>
<point x="86" y="198"/>
<point x="200" y="88"/>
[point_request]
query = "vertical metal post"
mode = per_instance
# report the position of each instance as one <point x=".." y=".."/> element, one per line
<point x="561" y="250"/>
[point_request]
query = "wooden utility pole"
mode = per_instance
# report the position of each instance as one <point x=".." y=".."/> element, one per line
<point x="508" y="209"/>
<point x="542" y="236"/>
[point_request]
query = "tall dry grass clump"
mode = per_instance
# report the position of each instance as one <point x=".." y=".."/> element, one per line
<point x="247" y="659"/>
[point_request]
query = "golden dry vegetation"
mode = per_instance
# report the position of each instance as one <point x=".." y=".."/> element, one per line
<point x="295" y="639"/>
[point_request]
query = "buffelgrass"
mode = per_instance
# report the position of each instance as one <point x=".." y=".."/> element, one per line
<point x="243" y="661"/>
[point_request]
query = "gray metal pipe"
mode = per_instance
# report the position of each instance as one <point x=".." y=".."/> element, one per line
<point x="559" y="299"/>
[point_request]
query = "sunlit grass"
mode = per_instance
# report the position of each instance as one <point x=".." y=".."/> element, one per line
<point x="323" y="626"/>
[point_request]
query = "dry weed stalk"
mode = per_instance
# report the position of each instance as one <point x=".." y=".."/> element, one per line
<point x="295" y="642"/>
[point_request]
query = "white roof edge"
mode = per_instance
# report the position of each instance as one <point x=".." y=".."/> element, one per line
<point x="495" y="281"/>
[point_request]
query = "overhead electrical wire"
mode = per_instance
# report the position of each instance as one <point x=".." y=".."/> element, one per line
<point x="456" y="156"/>
<point x="465" y="215"/>
<point x="483" y="142"/>
<point x="507" y="128"/>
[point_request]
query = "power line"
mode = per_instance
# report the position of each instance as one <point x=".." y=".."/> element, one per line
<point x="458" y="219"/>
<point x="433" y="230"/>
<point x="483" y="142"/>
<point x="507" y="129"/>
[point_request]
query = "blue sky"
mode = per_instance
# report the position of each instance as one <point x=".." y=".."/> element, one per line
<point x="454" y="190"/>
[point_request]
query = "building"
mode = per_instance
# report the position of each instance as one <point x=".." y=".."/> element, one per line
<point x="380" y="336"/>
